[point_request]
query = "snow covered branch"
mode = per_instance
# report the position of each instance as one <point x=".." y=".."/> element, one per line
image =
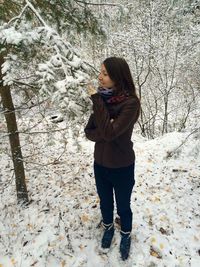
<point x="174" y="151"/>
<point x="36" y="13"/>
<point x="97" y="4"/>
<point x="19" y="16"/>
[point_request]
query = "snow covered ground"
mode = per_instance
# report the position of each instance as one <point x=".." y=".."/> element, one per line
<point x="60" y="226"/>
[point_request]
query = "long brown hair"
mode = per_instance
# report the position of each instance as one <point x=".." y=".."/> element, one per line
<point x="119" y="72"/>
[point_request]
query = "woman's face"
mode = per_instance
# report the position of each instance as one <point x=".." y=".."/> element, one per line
<point x="104" y="79"/>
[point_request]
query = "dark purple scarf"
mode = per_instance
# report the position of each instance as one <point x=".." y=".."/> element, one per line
<point x="108" y="95"/>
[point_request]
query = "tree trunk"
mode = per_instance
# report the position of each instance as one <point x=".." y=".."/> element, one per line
<point x="165" y="119"/>
<point x="9" y="112"/>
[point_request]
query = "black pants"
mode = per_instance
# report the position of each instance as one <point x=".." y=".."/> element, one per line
<point x="121" y="181"/>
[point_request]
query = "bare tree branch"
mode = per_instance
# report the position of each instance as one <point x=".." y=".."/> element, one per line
<point x="170" y="154"/>
<point x="97" y="4"/>
<point x="20" y="15"/>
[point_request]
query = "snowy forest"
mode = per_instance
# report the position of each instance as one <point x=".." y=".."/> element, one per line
<point x="49" y="51"/>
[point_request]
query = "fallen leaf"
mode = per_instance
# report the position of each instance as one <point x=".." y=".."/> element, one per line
<point x="168" y="189"/>
<point x="63" y="263"/>
<point x="13" y="261"/>
<point x="33" y="264"/>
<point x="84" y="218"/>
<point x="12" y="234"/>
<point x="155" y="253"/>
<point x="163" y="231"/>
<point x="156" y="199"/>
<point x="161" y="246"/>
<point x="153" y="240"/>
<point x="150" y="221"/>
<point x="30" y="226"/>
<point x="81" y="246"/>
<point x="61" y="237"/>
<point x="163" y="218"/>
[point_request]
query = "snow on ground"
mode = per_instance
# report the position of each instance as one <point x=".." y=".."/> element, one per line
<point x="60" y="226"/>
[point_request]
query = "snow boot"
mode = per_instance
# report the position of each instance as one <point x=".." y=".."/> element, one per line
<point x="125" y="245"/>
<point x="107" y="235"/>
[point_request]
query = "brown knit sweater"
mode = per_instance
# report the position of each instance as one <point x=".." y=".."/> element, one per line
<point x="113" y="145"/>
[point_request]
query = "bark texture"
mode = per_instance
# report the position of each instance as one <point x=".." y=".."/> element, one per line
<point x="9" y="112"/>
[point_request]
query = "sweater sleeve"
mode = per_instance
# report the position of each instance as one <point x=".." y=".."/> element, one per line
<point x="111" y="130"/>
<point x="91" y="131"/>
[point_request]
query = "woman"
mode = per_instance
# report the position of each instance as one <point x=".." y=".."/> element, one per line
<point x="116" y="108"/>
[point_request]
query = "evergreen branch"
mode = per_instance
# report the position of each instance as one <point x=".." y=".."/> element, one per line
<point x="24" y="78"/>
<point x="26" y="84"/>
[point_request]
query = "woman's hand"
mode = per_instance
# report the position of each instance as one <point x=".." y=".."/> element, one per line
<point x="90" y="89"/>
